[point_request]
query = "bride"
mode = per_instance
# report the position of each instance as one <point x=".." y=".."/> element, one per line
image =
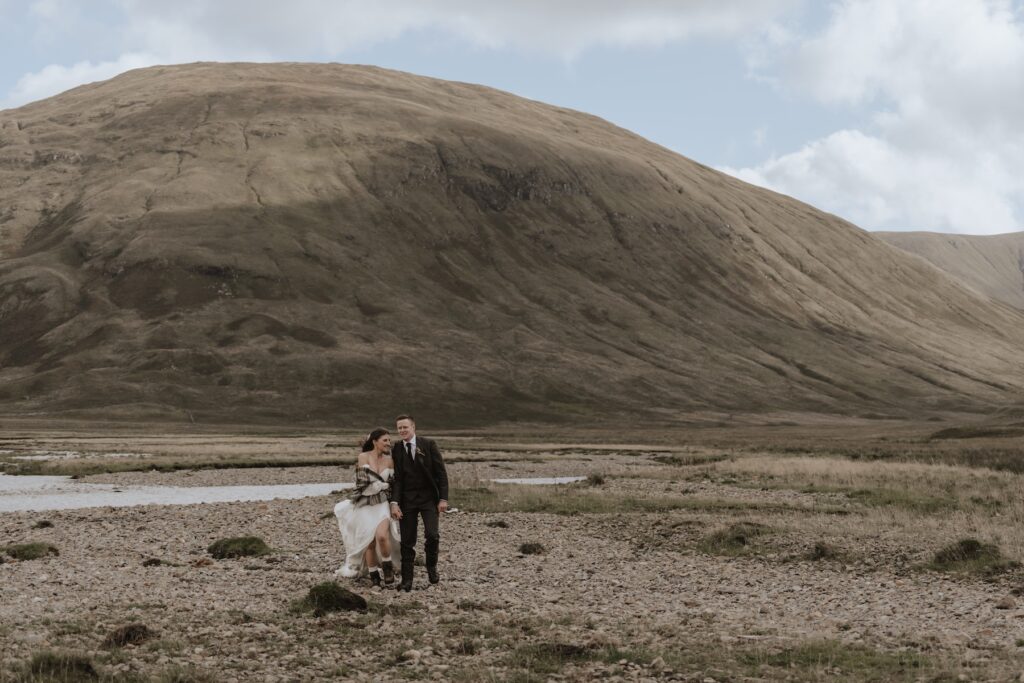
<point x="364" y="517"/>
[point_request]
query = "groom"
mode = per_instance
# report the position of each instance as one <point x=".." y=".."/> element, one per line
<point x="420" y="489"/>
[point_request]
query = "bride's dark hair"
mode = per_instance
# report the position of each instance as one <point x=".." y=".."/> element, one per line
<point x="374" y="435"/>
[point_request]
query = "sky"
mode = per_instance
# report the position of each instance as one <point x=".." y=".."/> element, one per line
<point x="894" y="114"/>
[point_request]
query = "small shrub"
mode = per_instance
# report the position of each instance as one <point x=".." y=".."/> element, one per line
<point x="31" y="551"/>
<point x="330" y="597"/>
<point x="595" y="479"/>
<point x="498" y="524"/>
<point x="242" y="546"/>
<point x="532" y="549"/>
<point x="132" y="634"/>
<point x="43" y="524"/>
<point x="60" y="667"/>
<point x="970" y="554"/>
<point x="152" y="562"/>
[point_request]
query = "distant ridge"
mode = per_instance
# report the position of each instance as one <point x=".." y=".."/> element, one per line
<point x="991" y="264"/>
<point x="290" y="242"/>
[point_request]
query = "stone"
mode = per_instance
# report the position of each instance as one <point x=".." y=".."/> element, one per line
<point x="1006" y="603"/>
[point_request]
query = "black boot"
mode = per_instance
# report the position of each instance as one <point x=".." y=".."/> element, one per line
<point x="432" y="574"/>
<point x="389" y="572"/>
<point x="375" y="578"/>
<point x="406" y="584"/>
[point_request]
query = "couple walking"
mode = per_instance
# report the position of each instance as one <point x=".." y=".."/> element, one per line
<point x="395" y="487"/>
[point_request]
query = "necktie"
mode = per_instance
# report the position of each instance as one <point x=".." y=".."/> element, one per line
<point x="412" y="451"/>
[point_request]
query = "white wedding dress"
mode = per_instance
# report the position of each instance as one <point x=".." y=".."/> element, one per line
<point x="358" y="523"/>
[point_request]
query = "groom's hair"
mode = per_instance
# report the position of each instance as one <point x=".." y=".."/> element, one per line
<point x="405" y="417"/>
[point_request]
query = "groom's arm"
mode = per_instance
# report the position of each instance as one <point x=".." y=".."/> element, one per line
<point x="440" y="473"/>
<point x="395" y="494"/>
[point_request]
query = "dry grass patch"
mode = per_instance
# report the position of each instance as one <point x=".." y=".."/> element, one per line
<point x="574" y="499"/>
<point x="823" y="551"/>
<point x="537" y="661"/>
<point x="178" y="674"/>
<point x="131" y="634"/>
<point x="835" y="661"/>
<point x="58" y="667"/>
<point x="741" y="538"/>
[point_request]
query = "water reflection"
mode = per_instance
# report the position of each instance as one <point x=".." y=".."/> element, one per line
<point x="39" y="493"/>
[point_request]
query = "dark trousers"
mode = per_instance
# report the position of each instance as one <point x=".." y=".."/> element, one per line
<point x="411" y="512"/>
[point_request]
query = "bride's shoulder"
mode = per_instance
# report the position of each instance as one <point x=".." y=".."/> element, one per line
<point x="363" y="458"/>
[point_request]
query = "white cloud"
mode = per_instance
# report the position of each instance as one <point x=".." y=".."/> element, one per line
<point x="878" y="185"/>
<point x="564" y="28"/>
<point x="56" y="78"/>
<point x="154" y="31"/>
<point x="942" y="148"/>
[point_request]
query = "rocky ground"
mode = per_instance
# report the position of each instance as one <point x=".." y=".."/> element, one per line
<point x="619" y="590"/>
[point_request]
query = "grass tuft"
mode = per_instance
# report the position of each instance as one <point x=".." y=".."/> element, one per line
<point x="736" y="539"/>
<point x="971" y="555"/>
<point x="242" y="546"/>
<point x="498" y="524"/>
<point x="31" y="551"/>
<point x="544" y="659"/>
<point x="532" y="549"/>
<point x="822" y="551"/>
<point x="59" y="667"/>
<point x="177" y="674"/>
<point x="595" y="479"/>
<point x="43" y="524"/>
<point x="856" y="662"/>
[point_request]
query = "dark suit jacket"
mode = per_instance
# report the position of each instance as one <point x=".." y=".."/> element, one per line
<point x="428" y="456"/>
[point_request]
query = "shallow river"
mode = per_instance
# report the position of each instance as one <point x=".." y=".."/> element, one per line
<point x="36" y="493"/>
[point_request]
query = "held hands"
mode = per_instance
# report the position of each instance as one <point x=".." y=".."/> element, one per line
<point x="396" y="512"/>
<point x="442" y="506"/>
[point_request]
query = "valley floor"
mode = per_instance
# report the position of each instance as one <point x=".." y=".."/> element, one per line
<point x="682" y="562"/>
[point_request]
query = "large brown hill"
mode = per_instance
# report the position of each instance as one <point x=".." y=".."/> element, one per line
<point x="991" y="264"/>
<point x="292" y="241"/>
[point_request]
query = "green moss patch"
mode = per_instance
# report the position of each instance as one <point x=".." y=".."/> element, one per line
<point x="31" y="551"/>
<point x="328" y="596"/>
<point x="242" y="546"/>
